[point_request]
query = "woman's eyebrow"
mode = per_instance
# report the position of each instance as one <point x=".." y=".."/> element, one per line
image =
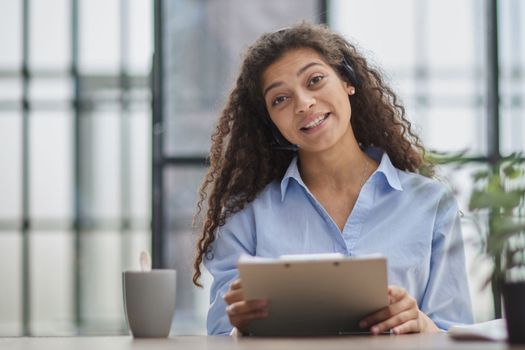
<point x="299" y="72"/>
<point x="271" y="86"/>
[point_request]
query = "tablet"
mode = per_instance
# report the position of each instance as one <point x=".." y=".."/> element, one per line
<point x="319" y="295"/>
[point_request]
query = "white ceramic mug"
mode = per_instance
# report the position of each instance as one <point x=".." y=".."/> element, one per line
<point x="149" y="302"/>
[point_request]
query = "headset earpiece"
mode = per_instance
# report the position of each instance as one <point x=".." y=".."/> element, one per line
<point x="349" y="72"/>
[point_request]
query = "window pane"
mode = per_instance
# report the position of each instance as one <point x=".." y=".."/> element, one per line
<point x="101" y="284"/>
<point x="11" y="34"/>
<point x="133" y="243"/>
<point x="512" y="78"/>
<point x="50" y="89"/>
<point x="459" y="89"/>
<point x="457" y="80"/>
<point x="180" y="200"/>
<point x="51" y="284"/>
<point x="203" y="44"/>
<point x="51" y="167"/>
<point x="11" y="163"/>
<point x="10" y="89"/>
<point x="416" y="47"/>
<point x="452" y="39"/>
<point x="100" y="163"/>
<point x="455" y="119"/>
<point x="140" y="93"/>
<point x="405" y="86"/>
<point x="513" y="128"/>
<point x="11" y="277"/>
<point x="140" y="36"/>
<point x="50" y="42"/>
<point x="512" y="111"/>
<point x="453" y="129"/>
<point x="99" y="35"/>
<point x="140" y="167"/>
<point x="358" y="21"/>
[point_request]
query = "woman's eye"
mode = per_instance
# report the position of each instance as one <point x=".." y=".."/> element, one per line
<point x="315" y="80"/>
<point x="278" y="100"/>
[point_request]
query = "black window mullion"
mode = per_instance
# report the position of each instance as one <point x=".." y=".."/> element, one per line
<point x="157" y="210"/>
<point x="77" y="180"/>
<point x="124" y="87"/>
<point x="492" y="82"/>
<point x="26" y="247"/>
<point x="493" y="115"/>
<point x="323" y="11"/>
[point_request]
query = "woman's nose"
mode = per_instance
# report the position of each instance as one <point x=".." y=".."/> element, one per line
<point x="303" y="102"/>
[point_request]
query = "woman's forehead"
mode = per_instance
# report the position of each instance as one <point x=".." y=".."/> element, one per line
<point x="291" y="63"/>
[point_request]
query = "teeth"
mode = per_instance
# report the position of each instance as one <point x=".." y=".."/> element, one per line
<point x="315" y="122"/>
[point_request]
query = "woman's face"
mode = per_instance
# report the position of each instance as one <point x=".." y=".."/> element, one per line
<point x="307" y="100"/>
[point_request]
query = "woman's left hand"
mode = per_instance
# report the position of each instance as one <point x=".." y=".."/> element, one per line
<point x="401" y="316"/>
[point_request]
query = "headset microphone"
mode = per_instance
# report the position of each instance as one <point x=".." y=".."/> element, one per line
<point x="278" y="141"/>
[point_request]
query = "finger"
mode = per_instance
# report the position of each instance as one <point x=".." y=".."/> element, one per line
<point x="396" y="293"/>
<point x="233" y="296"/>
<point x="236" y="284"/>
<point x="388" y="312"/>
<point x="241" y="321"/>
<point x="245" y="307"/>
<point x="395" y="321"/>
<point x="411" y="326"/>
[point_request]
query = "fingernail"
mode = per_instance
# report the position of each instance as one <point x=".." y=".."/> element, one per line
<point x="362" y="324"/>
<point x="374" y="330"/>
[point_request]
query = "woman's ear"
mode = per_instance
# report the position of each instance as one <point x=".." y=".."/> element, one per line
<point x="350" y="89"/>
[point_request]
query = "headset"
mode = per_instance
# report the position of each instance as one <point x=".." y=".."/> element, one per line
<point x="278" y="141"/>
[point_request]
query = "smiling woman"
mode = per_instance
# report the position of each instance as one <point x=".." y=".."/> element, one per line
<point x="313" y="154"/>
<point x="301" y="84"/>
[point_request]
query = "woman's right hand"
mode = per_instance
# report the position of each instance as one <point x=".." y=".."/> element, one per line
<point x="241" y="312"/>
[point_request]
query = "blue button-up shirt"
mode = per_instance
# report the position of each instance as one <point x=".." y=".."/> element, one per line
<point x="412" y="220"/>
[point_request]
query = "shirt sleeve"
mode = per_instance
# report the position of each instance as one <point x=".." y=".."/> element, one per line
<point x="447" y="298"/>
<point x="236" y="237"/>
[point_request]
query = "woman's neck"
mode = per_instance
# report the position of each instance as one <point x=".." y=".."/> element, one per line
<point x="338" y="168"/>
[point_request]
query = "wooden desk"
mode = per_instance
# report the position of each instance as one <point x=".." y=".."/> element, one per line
<point x="415" y="341"/>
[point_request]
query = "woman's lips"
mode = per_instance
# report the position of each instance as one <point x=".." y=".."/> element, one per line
<point x="318" y="124"/>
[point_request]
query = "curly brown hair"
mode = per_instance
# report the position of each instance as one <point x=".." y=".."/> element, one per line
<point x="242" y="160"/>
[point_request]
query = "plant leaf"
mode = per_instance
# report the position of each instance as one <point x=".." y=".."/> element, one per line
<point x="481" y="175"/>
<point x="496" y="198"/>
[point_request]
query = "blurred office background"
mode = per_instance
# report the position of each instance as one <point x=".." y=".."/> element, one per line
<point x="106" y="111"/>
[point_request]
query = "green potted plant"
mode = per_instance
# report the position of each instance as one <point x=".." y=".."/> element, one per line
<point x="499" y="194"/>
<point x="498" y="200"/>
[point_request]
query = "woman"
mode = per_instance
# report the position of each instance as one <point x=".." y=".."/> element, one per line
<point x="313" y="154"/>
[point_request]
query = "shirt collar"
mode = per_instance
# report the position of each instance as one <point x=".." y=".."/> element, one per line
<point x="385" y="167"/>
<point x="291" y="173"/>
<point x="390" y="172"/>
